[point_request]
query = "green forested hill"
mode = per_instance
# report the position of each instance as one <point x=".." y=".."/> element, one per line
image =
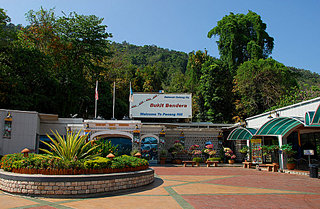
<point x="52" y="66"/>
<point x="306" y="77"/>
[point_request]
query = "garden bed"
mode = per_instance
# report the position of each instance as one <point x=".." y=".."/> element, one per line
<point x="71" y="185"/>
<point x="75" y="171"/>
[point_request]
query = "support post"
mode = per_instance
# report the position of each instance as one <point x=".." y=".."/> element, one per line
<point x="281" y="154"/>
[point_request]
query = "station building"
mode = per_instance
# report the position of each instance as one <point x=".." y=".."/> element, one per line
<point x="297" y="125"/>
<point x="158" y="120"/>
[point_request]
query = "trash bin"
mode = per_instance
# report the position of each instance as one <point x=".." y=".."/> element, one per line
<point x="313" y="171"/>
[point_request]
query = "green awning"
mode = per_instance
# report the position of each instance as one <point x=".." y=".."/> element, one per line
<point x="313" y="118"/>
<point x="242" y="134"/>
<point x="278" y="126"/>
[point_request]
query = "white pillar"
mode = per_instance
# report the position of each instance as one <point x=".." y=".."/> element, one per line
<point x="280" y="155"/>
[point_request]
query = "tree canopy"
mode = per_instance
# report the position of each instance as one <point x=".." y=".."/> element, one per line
<point x="241" y="38"/>
<point x="260" y="84"/>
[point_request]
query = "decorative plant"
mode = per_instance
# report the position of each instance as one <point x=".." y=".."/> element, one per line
<point x="72" y="148"/>
<point x="209" y="150"/>
<point x="244" y="150"/>
<point x="287" y="148"/>
<point x="197" y="159"/>
<point x="229" y="153"/>
<point x="176" y="149"/>
<point x="104" y="147"/>
<point x="133" y="152"/>
<point x="163" y="153"/>
<point x="214" y="159"/>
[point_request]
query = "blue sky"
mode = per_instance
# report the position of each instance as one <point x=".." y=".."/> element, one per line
<point x="183" y="25"/>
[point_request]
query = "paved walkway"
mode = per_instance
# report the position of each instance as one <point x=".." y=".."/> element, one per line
<point x="194" y="187"/>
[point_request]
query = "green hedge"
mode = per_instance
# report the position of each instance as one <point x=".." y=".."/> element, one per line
<point x="97" y="163"/>
<point x="46" y="162"/>
<point x="126" y="161"/>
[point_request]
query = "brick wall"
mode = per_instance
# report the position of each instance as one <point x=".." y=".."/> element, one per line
<point x="41" y="185"/>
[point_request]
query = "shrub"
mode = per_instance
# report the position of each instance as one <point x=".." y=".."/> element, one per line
<point x="133" y="152"/>
<point x="97" y="163"/>
<point x="126" y="161"/>
<point x="104" y="147"/>
<point x="8" y="160"/>
<point x="214" y="159"/>
<point x="197" y="159"/>
<point x="47" y="162"/>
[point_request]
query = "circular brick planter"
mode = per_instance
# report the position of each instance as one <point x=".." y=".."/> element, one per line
<point x="71" y="185"/>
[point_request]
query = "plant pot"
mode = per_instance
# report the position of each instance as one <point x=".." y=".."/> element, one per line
<point x="163" y="160"/>
<point x="177" y="161"/>
<point x="291" y="166"/>
<point x="231" y="161"/>
<point x="197" y="164"/>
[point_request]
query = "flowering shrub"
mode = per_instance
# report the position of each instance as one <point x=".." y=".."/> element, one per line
<point x="229" y="153"/>
<point x="47" y="162"/>
<point x="196" y="152"/>
<point x="37" y="161"/>
<point x="210" y="152"/>
<point x="194" y="147"/>
<point x="7" y="160"/>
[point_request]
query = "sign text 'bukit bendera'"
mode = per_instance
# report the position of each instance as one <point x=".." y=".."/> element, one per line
<point x="160" y="105"/>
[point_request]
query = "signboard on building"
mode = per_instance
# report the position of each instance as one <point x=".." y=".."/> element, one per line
<point x="256" y="151"/>
<point x="160" y="105"/>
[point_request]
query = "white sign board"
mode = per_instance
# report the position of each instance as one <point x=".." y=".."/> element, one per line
<point x="160" y="105"/>
<point x="308" y="152"/>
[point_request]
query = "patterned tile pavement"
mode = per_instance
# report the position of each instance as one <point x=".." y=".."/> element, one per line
<point x="196" y="187"/>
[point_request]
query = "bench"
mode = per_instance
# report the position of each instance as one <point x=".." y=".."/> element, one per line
<point x="214" y="163"/>
<point x="247" y="164"/>
<point x="188" y="162"/>
<point x="270" y="167"/>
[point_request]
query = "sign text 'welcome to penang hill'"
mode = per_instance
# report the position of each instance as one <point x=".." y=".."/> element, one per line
<point x="160" y="105"/>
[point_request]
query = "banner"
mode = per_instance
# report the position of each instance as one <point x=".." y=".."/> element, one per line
<point x="161" y="106"/>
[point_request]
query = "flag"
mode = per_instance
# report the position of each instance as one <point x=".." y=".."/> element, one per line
<point x="96" y="91"/>
<point x="131" y="94"/>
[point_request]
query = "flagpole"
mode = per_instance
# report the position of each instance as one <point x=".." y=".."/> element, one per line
<point x="96" y="100"/>
<point x="114" y="99"/>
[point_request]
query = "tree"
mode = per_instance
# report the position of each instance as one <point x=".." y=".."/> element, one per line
<point x="76" y="45"/>
<point x="216" y="86"/>
<point x="193" y="75"/>
<point x="260" y="85"/>
<point x="241" y="38"/>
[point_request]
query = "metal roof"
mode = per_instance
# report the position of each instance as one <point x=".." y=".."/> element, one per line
<point x="242" y="134"/>
<point x="312" y="118"/>
<point x="278" y="126"/>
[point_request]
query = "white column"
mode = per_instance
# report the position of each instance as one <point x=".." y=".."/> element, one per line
<point x="281" y="155"/>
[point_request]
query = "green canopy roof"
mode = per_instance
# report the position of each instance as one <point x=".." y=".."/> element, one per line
<point x="241" y="134"/>
<point x="278" y="126"/>
<point x="313" y="118"/>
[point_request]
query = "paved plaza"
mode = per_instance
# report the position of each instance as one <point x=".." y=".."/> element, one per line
<point x="196" y="187"/>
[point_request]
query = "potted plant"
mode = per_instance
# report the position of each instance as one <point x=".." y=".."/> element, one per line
<point x="198" y="160"/>
<point x="175" y="150"/>
<point x="229" y="154"/>
<point x="287" y="148"/>
<point x="163" y="156"/>
<point x="244" y="151"/>
<point x="209" y="151"/>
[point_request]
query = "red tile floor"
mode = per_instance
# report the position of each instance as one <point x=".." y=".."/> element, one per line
<point x="197" y="187"/>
